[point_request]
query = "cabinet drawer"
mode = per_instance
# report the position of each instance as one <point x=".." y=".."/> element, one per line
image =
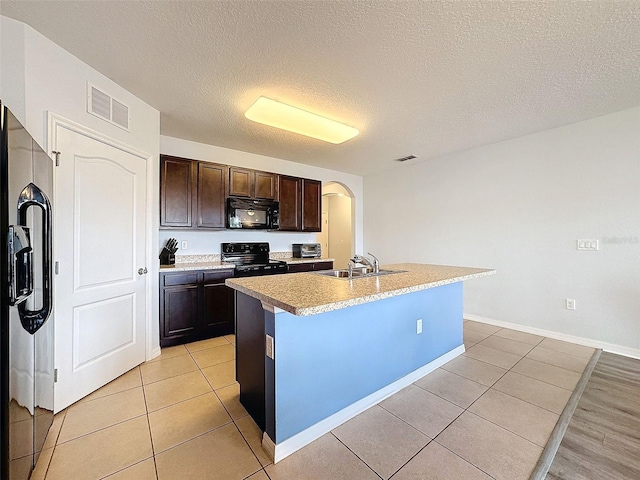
<point x="300" y="267"/>
<point x="217" y="277"/>
<point x="171" y="279"/>
<point x="323" y="266"/>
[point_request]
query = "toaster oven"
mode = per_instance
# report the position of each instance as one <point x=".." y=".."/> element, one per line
<point x="307" y="250"/>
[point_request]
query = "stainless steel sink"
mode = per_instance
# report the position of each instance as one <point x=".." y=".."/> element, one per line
<point x="363" y="272"/>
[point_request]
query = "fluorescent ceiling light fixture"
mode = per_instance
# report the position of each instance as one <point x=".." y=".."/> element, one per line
<point x="293" y="119"/>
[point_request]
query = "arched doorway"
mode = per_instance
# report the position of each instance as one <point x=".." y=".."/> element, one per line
<point x="337" y="235"/>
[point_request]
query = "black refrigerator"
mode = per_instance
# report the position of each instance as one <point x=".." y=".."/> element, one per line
<point x="26" y="299"/>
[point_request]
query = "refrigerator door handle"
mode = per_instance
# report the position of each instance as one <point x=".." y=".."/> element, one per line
<point x="32" y="196"/>
<point x="20" y="269"/>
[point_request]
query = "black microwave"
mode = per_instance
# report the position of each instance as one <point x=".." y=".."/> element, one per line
<point x="252" y="213"/>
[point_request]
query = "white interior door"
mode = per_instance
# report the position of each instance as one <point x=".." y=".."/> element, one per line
<point x="100" y="243"/>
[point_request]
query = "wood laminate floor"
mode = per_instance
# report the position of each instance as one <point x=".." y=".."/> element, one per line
<point x="603" y="438"/>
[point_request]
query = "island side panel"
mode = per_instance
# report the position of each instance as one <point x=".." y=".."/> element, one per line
<point x="270" y="378"/>
<point x="250" y="356"/>
<point x="326" y="362"/>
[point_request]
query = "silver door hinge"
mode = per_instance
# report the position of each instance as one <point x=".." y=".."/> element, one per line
<point x="56" y="268"/>
<point x="57" y="154"/>
<point x="55" y="375"/>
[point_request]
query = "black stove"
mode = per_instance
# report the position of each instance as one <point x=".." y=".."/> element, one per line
<point x="251" y="259"/>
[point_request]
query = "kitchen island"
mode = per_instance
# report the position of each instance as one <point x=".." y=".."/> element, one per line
<point x="314" y="351"/>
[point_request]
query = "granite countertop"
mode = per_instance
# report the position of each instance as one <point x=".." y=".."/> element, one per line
<point x="212" y="262"/>
<point x="312" y="293"/>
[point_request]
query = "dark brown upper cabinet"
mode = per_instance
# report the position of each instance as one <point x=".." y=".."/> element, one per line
<point x="289" y="196"/>
<point x="265" y="185"/>
<point x="192" y="193"/>
<point x="212" y="193"/>
<point x="300" y="204"/>
<point x="251" y="183"/>
<point x="177" y="180"/>
<point x="311" y="205"/>
<point x="240" y="182"/>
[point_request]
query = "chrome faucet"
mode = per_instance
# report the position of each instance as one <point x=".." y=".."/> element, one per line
<point x="375" y="266"/>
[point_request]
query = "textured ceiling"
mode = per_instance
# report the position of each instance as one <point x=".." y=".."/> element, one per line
<point x="415" y="77"/>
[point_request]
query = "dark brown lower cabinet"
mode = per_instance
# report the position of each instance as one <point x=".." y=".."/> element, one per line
<point x="194" y="306"/>
<point x="309" y="267"/>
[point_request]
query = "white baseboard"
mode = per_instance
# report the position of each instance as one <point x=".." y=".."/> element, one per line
<point x="607" y="347"/>
<point x="282" y="450"/>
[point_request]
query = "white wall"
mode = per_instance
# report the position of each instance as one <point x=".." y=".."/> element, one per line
<point x="519" y="206"/>
<point x="37" y="76"/>
<point x="52" y="79"/>
<point x="12" y="69"/>
<point x="204" y="242"/>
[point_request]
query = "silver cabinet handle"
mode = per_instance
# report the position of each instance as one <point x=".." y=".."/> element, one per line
<point x="142" y="271"/>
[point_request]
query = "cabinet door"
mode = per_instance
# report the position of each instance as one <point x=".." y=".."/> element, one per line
<point x="177" y="178"/>
<point x="311" y="205"/>
<point x="212" y="192"/>
<point x="178" y="314"/>
<point x="265" y="185"/>
<point x="240" y="182"/>
<point x="289" y="192"/>
<point x="217" y="310"/>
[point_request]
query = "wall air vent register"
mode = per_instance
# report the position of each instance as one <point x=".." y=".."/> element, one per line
<point x="106" y="107"/>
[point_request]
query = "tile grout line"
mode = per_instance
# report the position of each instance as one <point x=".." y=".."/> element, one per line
<point x="517" y="373"/>
<point x="55" y="444"/>
<point x="153" y="448"/>
<point x="431" y="439"/>
<point x="462" y="458"/>
<point x="543" y="381"/>
<point x="524" y="375"/>
<point x="480" y="416"/>
<point x="232" y="420"/>
<point x="101" y="429"/>
<point x="356" y="455"/>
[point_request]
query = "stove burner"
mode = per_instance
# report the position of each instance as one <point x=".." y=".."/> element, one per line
<point x="251" y="259"/>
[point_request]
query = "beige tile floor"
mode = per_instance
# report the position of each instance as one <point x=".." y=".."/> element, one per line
<point x="486" y="414"/>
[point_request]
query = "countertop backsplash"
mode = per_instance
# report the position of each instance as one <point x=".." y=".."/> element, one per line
<point x="215" y="257"/>
<point x="212" y="257"/>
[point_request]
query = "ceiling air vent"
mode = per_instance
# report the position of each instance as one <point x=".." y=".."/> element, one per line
<point x="408" y="157"/>
<point x="107" y="108"/>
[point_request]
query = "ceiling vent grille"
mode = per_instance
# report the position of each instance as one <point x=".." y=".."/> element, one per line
<point x="408" y="157"/>
<point x="107" y="108"/>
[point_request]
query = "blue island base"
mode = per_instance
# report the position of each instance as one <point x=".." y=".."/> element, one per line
<point x="329" y="367"/>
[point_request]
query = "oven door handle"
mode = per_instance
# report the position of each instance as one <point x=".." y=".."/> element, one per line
<point x="32" y="196"/>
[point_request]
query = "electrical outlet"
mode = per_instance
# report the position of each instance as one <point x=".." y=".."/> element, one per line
<point x="269" y="346"/>
<point x="184" y="245"/>
<point x="419" y="326"/>
<point x="571" y="304"/>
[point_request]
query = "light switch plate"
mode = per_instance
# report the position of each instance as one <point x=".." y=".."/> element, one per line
<point x="587" y="244"/>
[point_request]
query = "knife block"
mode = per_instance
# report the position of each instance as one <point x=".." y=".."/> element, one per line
<point x="166" y="257"/>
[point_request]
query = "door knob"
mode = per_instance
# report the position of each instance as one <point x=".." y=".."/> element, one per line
<point x="142" y="271"/>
